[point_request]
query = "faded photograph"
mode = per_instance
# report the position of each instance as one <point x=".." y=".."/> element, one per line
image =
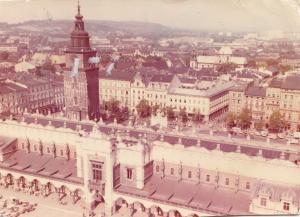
<point x="149" y="108"/>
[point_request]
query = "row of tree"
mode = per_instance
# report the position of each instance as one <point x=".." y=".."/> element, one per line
<point x="144" y="110"/>
<point x="113" y="111"/>
<point x="244" y="120"/>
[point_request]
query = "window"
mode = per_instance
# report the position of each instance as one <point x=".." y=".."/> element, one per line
<point x="157" y="168"/>
<point x="61" y="153"/>
<point x="190" y="174"/>
<point x="75" y="154"/>
<point x="227" y="181"/>
<point x="286" y="206"/>
<point x="172" y="171"/>
<point x="263" y="202"/>
<point x="129" y="173"/>
<point x="97" y="171"/>
<point x="248" y="185"/>
<point x="207" y="178"/>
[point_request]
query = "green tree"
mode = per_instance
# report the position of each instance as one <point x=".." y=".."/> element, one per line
<point x="276" y="122"/>
<point x="244" y="119"/>
<point x="143" y="108"/>
<point x="231" y="119"/>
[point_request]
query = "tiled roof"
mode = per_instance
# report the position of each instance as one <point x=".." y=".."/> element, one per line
<point x="289" y="83"/>
<point x="201" y="197"/>
<point x="162" y="78"/>
<point x="255" y="91"/>
<point x="124" y="75"/>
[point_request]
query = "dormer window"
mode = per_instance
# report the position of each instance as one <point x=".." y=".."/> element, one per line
<point x="263" y="201"/>
<point x="286" y="206"/>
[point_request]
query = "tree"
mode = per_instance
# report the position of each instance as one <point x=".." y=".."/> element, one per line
<point x="244" y="119"/>
<point x="197" y="118"/>
<point x="259" y="125"/>
<point x="226" y="67"/>
<point x="276" y="122"/>
<point x="143" y="108"/>
<point x="4" y="55"/>
<point x="183" y="115"/>
<point x="252" y="64"/>
<point x="284" y="68"/>
<point x="170" y="114"/>
<point x="112" y="106"/>
<point x="122" y="115"/>
<point x="231" y="119"/>
<point x="154" y="109"/>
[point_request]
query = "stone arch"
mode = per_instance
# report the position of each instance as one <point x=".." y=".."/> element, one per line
<point x="156" y="210"/>
<point x="35" y="185"/>
<point x="120" y="202"/>
<point x="193" y="215"/>
<point x="138" y="206"/>
<point x="62" y="192"/>
<point x="174" y="213"/>
<point x="22" y="182"/>
<point x="9" y="180"/>
<point x="77" y="195"/>
<point x="48" y="189"/>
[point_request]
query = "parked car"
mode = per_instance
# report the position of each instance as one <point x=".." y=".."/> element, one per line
<point x="281" y="135"/>
<point x="237" y="130"/>
<point x="264" y="133"/>
<point x="272" y="136"/>
<point x="296" y="135"/>
<point x="293" y="141"/>
<point x="257" y="133"/>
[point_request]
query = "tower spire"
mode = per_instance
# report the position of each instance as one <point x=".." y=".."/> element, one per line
<point x="78" y="7"/>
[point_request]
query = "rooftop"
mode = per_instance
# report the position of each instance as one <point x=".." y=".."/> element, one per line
<point x="200" y="197"/>
<point x="42" y="165"/>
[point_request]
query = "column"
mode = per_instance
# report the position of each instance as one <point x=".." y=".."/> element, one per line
<point x="140" y="175"/>
<point x="109" y="203"/>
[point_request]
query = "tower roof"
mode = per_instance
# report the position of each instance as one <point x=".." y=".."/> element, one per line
<point x="80" y="39"/>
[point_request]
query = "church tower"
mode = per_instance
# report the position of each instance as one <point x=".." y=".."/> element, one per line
<point x="81" y="84"/>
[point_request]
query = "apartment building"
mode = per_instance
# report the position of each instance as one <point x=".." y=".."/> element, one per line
<point x="205" y="97"/>
<point x="116" y="86"/>
<point x="31" y="94"/>
<point x="282" y="94"/>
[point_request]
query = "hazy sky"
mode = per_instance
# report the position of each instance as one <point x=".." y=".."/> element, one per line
<point x="191" y="14"/>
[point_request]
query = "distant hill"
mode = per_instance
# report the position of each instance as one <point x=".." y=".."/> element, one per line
<point x="101" y="27"/>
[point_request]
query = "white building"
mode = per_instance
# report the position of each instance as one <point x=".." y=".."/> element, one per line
<point x="224" y="56"/>
<point x="169" y="176"/>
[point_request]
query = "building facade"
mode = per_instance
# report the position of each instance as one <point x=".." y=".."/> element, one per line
<point x="143" y="174"/>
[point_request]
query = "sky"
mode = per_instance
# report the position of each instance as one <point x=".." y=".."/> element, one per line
<point x="228" y="15"/>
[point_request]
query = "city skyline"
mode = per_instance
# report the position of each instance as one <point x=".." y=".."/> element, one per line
<point x="254" y="15"/>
